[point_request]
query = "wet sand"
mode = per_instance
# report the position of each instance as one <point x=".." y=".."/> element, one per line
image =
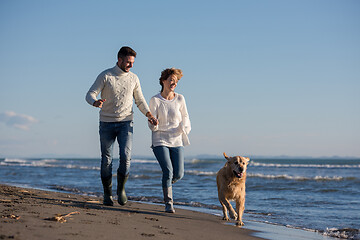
<point x="36" y="214"/>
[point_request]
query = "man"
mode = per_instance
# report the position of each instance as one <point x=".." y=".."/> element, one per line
<point x="118" y="86"/>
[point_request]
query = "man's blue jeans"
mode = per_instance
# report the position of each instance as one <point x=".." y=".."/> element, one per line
<point x="109" y="132"/>
<point x="171" y="160"/>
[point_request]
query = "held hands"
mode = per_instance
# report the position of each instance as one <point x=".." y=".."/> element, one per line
<point x="152" y="119"/>
<point x="99" y="103"/>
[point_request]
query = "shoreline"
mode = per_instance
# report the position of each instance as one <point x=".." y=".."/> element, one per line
<point x="274" y="200"/>
<point x="28" y="213"/>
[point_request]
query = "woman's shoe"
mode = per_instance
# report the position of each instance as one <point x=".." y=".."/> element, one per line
<point x="168" y="199"/>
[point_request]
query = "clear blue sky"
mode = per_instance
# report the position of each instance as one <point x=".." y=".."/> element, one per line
<point x="261" y="78"/>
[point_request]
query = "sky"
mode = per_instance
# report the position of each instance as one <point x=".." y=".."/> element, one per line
<point x="261" y="78"/>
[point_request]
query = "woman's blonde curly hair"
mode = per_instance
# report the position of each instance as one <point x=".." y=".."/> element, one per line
<point x="168" y="72"/>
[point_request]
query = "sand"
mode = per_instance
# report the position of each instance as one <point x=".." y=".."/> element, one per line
<point x="36" y="214"/>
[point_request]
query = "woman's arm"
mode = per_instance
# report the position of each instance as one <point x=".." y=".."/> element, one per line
<point x="186" y="125"/>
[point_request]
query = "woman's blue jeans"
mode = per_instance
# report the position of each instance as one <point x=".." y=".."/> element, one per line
<point x="171" y="160"/>
<point x="109" y="132"/>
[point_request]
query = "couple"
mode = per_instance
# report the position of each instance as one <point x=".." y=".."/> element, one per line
<point x="167" y="116"/>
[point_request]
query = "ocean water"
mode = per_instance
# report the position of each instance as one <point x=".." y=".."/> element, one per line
<point x="316" y="195"/>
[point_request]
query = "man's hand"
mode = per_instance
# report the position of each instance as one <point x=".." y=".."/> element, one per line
<point x="99" y="103"/>
<point x="152" y="119"/>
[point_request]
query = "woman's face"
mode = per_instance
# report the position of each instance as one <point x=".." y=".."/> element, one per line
<point x="170" y="83"/>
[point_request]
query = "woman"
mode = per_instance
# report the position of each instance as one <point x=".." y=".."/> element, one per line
<point x="170" y="136"/>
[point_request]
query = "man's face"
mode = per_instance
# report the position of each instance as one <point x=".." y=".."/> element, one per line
<point x="126" y="63"/>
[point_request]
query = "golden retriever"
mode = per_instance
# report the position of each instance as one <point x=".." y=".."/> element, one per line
<point x="231" y="186"/>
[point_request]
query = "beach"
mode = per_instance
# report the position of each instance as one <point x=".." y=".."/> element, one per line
<point x="36" y="214"/>
<point x="303" y="198"/>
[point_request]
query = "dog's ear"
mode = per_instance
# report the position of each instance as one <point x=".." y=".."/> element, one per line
<point x="247" y="160"/>
<point x="227" y="158"/>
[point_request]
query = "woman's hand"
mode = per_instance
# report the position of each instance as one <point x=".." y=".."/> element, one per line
<point x="152" y="119"/>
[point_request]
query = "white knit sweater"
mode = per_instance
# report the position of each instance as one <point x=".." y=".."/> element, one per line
<point x="174" y="123"/>
<point x="118" y="88"/>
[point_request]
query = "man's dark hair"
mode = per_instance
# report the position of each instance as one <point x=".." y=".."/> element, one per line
<point x="126" y="51"/>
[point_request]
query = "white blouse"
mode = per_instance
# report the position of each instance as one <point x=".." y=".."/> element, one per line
<point x="174" y="122"/>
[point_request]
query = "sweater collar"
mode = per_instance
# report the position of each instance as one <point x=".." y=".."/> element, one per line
<point x="119" y="71"/>
<point x="163" y="99"/>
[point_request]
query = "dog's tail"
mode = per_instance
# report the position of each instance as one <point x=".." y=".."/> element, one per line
<point x="225" y="156"/>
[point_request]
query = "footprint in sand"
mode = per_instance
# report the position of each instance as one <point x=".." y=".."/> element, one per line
<point x="163" y="230"/>
<point x="166" y="233"/>
<point x="148" y="235"/>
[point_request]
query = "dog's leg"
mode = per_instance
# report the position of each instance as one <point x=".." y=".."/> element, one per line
<point x="227" y="206"/>
<point x="232" y="212"/>
<point x="240" y="206"/>
<point x="226" y="217"/>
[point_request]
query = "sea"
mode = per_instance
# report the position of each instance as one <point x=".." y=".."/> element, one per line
<point x="315" y="195"/>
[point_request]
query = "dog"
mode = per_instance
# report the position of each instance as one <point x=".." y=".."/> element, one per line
<point x="230" y="181"/>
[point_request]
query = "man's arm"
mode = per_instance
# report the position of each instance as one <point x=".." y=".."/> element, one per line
<point x="95" y="89"/>
<point x="141" y="103"/>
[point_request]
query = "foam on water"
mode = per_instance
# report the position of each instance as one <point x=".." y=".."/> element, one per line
<point x="299" y="178"/>
<point x="279" y="165"/>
